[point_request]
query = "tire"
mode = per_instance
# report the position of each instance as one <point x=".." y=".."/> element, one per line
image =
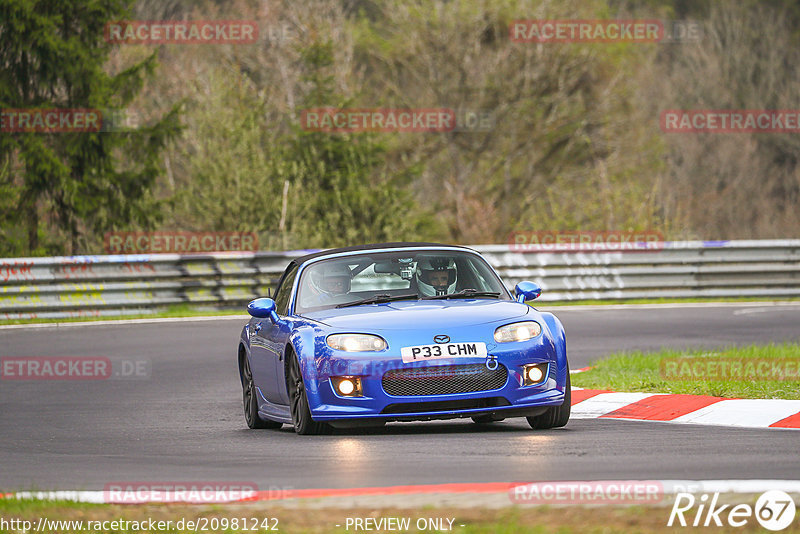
<point x="298" y="402"/>
<point x="250" y="401"/>
<point x="485" y="420"/>
<point x="555" y="416"/>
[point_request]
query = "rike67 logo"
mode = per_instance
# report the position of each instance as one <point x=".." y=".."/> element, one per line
<point x="774" y="510"/>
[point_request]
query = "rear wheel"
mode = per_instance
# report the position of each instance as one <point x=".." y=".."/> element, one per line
<point x="251" y="402"/>
<point x="555" y="416"/>
<point x="298" y="402"/>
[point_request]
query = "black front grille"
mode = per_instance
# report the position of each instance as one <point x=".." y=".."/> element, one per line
<point x="445" y="406"/>
<point x="443" y="380"/>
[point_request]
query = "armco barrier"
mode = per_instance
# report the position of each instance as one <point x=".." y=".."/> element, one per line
<point x="112" y="285"/>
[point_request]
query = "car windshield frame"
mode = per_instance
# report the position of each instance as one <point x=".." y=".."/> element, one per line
<point x="478" y="264"/>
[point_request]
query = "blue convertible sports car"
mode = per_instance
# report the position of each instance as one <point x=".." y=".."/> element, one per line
<point x="363" y="335"/>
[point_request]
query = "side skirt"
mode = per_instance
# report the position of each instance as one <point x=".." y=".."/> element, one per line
<point x="273" y="412"/>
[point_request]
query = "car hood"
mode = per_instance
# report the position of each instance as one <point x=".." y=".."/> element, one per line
<point x="405" y="315"/>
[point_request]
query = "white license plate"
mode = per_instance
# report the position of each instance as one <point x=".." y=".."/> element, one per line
<point x="443" y="351"/>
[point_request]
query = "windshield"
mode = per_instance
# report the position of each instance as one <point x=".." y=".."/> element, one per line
<point x="388" y="275"/>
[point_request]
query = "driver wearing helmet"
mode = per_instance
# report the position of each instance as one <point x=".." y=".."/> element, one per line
<point x="331" y="281"/>
<point x="436" y="276"/>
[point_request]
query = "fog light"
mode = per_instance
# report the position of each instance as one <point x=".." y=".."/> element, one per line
<point x="533" y="374"/>
<point x="347" y="386"/>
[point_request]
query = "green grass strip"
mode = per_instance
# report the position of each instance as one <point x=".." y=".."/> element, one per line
<point x="752" y="372"/>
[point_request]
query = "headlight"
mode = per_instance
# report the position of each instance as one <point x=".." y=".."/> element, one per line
<point x="356" y="342"/>
<point x="517" y="332"/>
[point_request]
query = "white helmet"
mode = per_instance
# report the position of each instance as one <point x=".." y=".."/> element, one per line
<point x="331" y="280"/>
<point x="436" y="276"/>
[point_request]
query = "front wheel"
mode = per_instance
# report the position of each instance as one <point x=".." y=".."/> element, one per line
<point x="251" y="402"/>
<point x="301" y="413"/>
<point x="555" y="416"/>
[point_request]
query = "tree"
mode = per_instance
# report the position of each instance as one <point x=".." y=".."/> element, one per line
<point x="566" y="148"/>
<point x="343" y="194"/>
<point x="52" y="56"/>
<point x="736" y="185"/>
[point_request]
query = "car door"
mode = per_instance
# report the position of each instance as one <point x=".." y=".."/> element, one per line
<point x="268" y="342"/>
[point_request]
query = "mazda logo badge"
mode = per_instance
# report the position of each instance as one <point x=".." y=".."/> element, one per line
<point x="441" y="339"/>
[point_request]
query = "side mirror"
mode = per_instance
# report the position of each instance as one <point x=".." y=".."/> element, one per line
<point x="527" y="291"/>
<point x="263" y="308"/>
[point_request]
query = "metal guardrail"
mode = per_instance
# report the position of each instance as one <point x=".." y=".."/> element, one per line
<point x="125" y="284"/>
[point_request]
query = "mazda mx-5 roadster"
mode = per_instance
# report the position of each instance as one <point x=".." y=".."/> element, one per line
<point x="360" y="336"/>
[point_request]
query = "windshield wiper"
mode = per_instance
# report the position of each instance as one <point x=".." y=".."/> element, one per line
<point x="465" y="293"/>
<point x="379" y="299"/>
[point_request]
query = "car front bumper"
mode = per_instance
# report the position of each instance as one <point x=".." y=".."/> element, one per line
<point x="512" y="399"/>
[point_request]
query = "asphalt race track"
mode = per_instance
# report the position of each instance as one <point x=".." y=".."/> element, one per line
<point x="184" y="422"/>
